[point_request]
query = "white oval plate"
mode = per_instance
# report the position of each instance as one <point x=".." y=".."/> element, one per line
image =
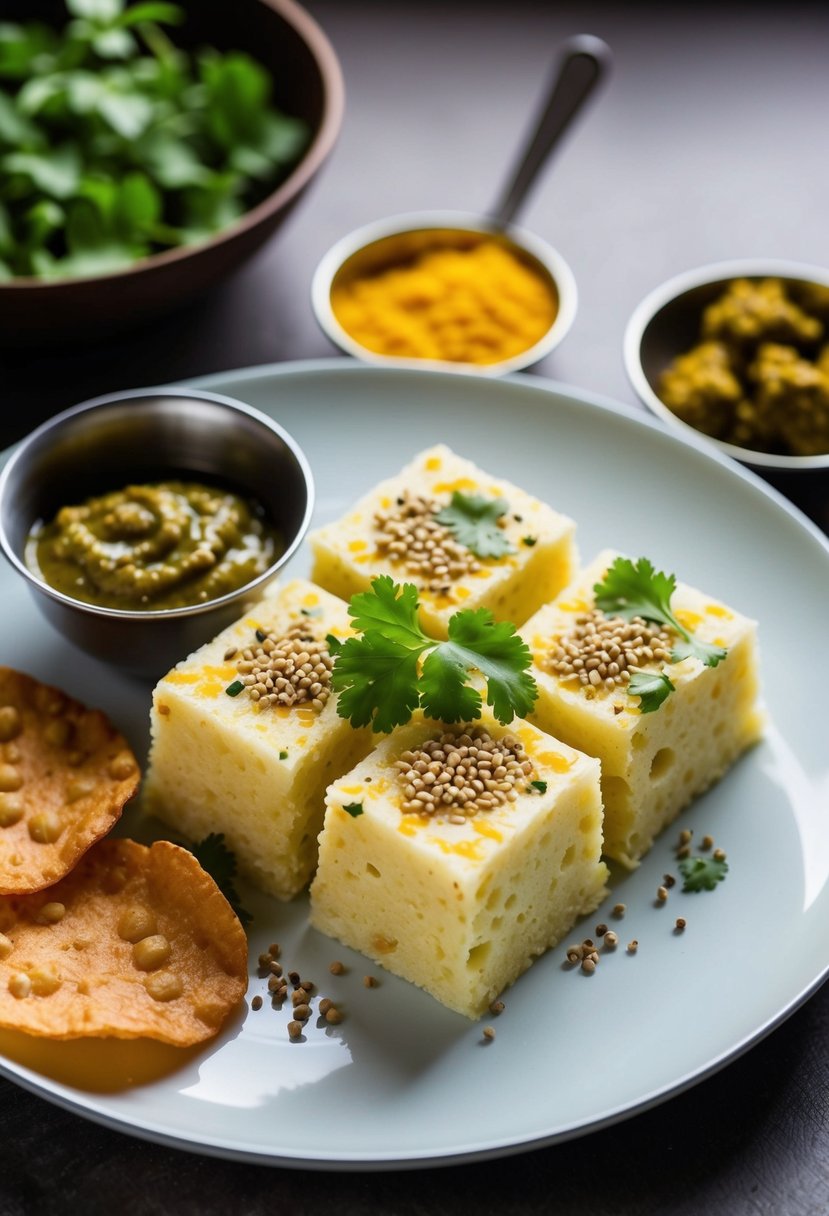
<point x="403" y="1081"/>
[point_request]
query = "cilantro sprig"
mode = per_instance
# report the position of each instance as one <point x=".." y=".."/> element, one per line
<point x="653" y="687"/>
<point x="702" y="873"/>
<point x="394" y="667"/>
<point x="473" y="521"/>
<point x="629" y="590"/>
<point x="219" y="861"/>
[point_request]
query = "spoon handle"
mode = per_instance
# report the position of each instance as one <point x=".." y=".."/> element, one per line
<point x="584" y="60"/>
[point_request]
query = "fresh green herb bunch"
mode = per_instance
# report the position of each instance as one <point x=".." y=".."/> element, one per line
<point x="114" y="144"/>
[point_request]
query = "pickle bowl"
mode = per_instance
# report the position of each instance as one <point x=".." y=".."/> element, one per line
<point x="666" y="324"/>
<point x="517" y="327"/>
<point x="143" y="438"/>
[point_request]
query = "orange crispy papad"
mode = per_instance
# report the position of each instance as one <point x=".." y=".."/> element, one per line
<point x="65" y="774"/>
<point x="137" y="942"/>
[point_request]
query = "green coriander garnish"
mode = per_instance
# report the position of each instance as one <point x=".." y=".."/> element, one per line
<point x="652" y="686"/>
<point x="539" y="786"/>
<point x="283" y="755"/>
<point x="393" y="668"/>
<point x="334" y="644"/>
<point x="116" y="144"/>
<point x="311" y="611"/>
<point x="473" y="521"/>
<point x="235" y="688"/>
<point x="702" y="873"/>
<point x="529" y="541"/>
<point x="261" y="636"/>
<point x="353" y="809"/>
<point x="629" y="590"/>
<point x="219" y="861"/>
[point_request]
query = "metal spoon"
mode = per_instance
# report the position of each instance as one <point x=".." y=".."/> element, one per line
<point x="583" y="62"/>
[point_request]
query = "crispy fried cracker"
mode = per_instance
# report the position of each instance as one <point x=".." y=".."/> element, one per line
<point x="65" y="774"/>
<point x="136" y="942"/>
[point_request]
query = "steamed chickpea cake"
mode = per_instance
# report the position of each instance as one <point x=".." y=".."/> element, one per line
<point x="145" y="547"/>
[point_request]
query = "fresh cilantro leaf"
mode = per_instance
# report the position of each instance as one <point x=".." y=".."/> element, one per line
<point x="283" y="755"/>
<point x="382" y="676"/>
<point x="353" y="809"/>
<point x="539" y="786"/>
<point x="334" y="644"/>
<point x="529" y="541"/>
<point x="235" y="688"/>
<point x="653" y="687"/>
<point x="630" y="590"/>
<point x="473" y="521"/>
<point x="478" y="641"/>
<point x="702" y="873"/>
<point x="377" y="679"/>
<point x="219" y="861"/>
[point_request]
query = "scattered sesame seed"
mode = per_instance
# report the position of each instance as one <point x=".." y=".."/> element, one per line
<point x="265" y="960"/>
<point x="685" y="836"/>
<point x="669" y="880"/>
<point x="619" y="910"/>
<point x="601" y="930"/>
<point x="661" y="894"/>
<point x="333" y="1016"/>
<point x="370" y="981"/>
<point x="719" y="855"/>
<point x="683" y="853"/>
<point x="324" y="1005"/>
<point x="302" y="1012"/>
<point x="294" y="977"/>
<point x="256" y="1003"/>
<point x="574" y="954"/>
<point x="611" y="940"/>
<point x="488" y="1033"/>
<point x="680" y="923"/>
<point x="497" y="1007"/>
<point x="294" y="1030"/>
<point x="588" y="965"/>
<point x="707" y="842"/>
<point x="336" y="968"/>
<point x="633" y="946"/>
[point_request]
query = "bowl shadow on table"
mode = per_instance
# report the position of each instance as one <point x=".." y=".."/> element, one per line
<point x="307" y="84"/>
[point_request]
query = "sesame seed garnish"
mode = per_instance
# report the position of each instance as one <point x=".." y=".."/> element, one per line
<point x="458" y="774"/>
<point x="292" y="670"/>
<point x="619" y="910"/>
<point x="333" y="1016"/>
<point x="707" y="843"/>
<point x="719" y="855"/>
<point x="370" y="981"/>
<point x="680" y="923"/>
<point x="601" y="652"/>
<point x="256" y="1003"/>
<point x="601" y="930"/>
<point x="295" y="1030"/>
<point x="610" y="940"/>
<point x="497" y="1007"/>
<point x="409" y="534"/>
<point x="588" y="965"/>
<point x="633" y="946"/>
<point x="336" y="968"/>
<point x="685" y="836"/>
<point x="488" y="1033"/>
<point x="668" y="880"/>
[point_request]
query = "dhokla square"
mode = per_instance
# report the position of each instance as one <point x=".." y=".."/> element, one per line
<point x="465" y="538"/>
<point x="455" y="855"/>
<point x="246" y="736"/>
<point x="654" y="761"/>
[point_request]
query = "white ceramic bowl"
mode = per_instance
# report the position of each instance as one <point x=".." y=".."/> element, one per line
<point x="389" y="241"/>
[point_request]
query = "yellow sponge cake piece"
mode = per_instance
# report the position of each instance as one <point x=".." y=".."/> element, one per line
<point x="231" y="753"/>
<point x="393" y="530"/>
<point x="653" y="763"/>
<point x="460" y="896"/>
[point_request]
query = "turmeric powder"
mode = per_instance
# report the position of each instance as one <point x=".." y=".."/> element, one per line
<point x="461" y="305"/>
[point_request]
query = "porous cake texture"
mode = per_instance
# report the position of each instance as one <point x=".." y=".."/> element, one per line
<point x="393" y="530"/>
<point x="653" y="763"/>
<point x="225" y="761"/>
<point x="460" y="904"/>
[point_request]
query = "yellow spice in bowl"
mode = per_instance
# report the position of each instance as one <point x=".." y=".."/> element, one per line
<point x="475" y="305"/>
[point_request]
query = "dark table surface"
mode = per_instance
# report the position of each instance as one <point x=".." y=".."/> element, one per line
<point x="708" y="144"/>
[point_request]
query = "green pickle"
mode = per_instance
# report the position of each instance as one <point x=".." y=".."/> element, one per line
<point x="171" y="544"/>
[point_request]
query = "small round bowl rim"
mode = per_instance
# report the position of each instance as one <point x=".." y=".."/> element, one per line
<point x="416" y="221"/>
<point x="41" y="587"/>
<point x="302" y="173"/>
<point x="701" y="276"/>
